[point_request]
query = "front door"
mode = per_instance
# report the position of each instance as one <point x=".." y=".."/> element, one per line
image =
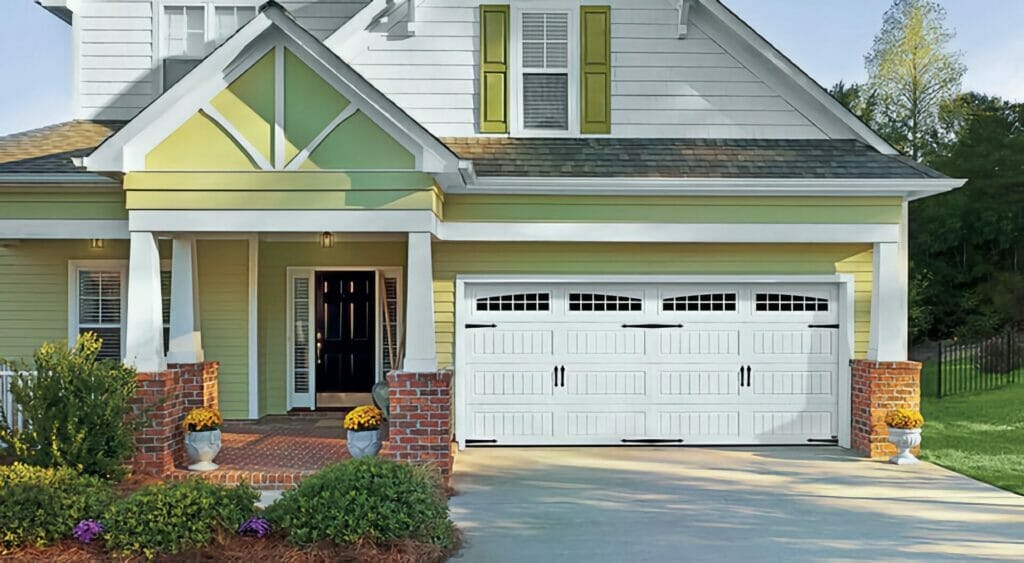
<point x="345" y="332"/>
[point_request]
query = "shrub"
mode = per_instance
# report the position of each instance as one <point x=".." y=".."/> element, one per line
<point x="366" y="417"/>
<point x="369" y="499"/>
<point x="42" y="505"/>
<point x="904" y="418"/>
<point x="166" y="518"/>
<point x="76" y="410"/>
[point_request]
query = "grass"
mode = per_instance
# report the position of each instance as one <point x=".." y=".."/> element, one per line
<point x="980" y="435"/>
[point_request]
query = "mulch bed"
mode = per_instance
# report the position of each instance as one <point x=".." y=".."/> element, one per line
<point x="242" y="549"/>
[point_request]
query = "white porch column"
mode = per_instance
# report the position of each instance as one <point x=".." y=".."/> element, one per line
<point x="186" y="345"/>
<point x="144" y="327"/>
<point x="420" y="345"/>
<point x="888" y="340"/>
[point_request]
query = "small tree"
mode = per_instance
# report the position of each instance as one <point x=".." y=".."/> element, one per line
<point x="76" y="410"/>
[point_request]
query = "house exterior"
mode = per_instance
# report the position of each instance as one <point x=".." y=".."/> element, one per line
<point x="610" y="222"/>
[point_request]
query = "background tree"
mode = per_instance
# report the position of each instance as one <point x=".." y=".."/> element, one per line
<point x="855" y="98"/>
<point x="912" y="72"/>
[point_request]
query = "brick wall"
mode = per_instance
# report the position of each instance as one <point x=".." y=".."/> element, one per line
<point x="877" y="388"/>
<point x="420" y="430"/>
<point x="166" y="397"/>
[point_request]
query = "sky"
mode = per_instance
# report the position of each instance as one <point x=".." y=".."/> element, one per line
<point x="827" y="38"/>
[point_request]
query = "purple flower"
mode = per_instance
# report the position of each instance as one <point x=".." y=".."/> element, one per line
<point x="255" y="526"/>
<point x="88" y="530"/>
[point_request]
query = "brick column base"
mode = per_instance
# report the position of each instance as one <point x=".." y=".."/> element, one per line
<point x="165" y="398"/>
<point x="877" y="388"/>
<point x="420" y="430"/>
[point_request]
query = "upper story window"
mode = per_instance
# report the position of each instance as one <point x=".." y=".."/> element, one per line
<point x="190" y="31"/>
<point x="545" y="85"/>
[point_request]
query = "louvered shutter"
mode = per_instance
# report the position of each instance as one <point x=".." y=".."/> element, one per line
<point x="494" y="68"/>
<point x="390" y="349"/>
<point x="302" y="329"/>
<point x="595" y="69"/>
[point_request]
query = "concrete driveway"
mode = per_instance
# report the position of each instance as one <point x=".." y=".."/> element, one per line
<point x="695" y="504"/>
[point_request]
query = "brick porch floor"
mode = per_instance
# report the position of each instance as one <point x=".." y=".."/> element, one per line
<point x="275" y="452"/>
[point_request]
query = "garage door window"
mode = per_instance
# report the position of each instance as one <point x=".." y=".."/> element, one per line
<point x="603" y="302"/>
<point x="703" y="302"/>
<point x="515" y="302"/>
<point x="785" y="302"/>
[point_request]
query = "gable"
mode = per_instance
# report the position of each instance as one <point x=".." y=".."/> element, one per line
<point x="237" y="129"/>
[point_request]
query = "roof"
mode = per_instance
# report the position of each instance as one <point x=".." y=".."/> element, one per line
<point x="683" y="158"/>
<point x="49" y="150"/>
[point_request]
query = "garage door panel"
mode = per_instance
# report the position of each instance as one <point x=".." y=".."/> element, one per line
<point x="513" y="344"/>
<point x="700" y="344"/>
<point x="505" y="382"/>
<point x="696" y="383"/>
<point x="768" y="342"/>
<point x="605" y="342"/>
<point x="605" y="383"/>
<point x="615" y="425"/>
<point x="785" y="425"/>
<point x="789" y="382"/>
<point x="699" y="426"/>
<point x="525" y="425"/>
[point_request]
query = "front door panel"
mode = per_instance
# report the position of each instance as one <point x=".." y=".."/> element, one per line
<point x="346" y="331"/>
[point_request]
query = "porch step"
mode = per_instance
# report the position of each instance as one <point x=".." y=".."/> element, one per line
<point x="260" y="480"/>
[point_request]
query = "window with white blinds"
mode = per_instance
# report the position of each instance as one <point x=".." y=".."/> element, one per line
<point x="101" y="308"/>
<point x="545" y="57"/>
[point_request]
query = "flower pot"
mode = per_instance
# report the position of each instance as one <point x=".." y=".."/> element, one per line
<point x="904" y="439"/>
<point x="202" y="447"/>
<point x="363" y="443"/>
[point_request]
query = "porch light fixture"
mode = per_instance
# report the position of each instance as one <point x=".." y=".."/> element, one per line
<point x="96" y="243"/>
<point x="326" y="239"/>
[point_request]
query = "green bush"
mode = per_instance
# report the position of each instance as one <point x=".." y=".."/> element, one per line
<point x="366" y="499"/>
<point x="76" y="411"/>
<point x="40" y="505"/>
<point x="166" y="518"/>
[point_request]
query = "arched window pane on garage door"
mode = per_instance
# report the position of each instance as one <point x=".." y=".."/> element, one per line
<point x="603" y="302"/>
<point x="515" y="302"/>
<point x="787" y="302"/>
<point x="708" y="302"/>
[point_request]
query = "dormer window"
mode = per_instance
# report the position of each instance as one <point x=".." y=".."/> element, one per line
<point x="546" y="71"/>
<point x="191" y="31"/>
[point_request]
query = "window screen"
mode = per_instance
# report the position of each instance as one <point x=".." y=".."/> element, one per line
<point x="545" y="62"/>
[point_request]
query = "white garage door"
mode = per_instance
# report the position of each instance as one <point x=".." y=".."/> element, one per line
<point x="648" y="363"/>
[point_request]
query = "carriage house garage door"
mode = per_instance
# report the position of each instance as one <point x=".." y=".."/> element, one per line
<point x="582" y="363"/>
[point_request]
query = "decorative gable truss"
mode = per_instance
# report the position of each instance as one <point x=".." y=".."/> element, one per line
<point x="273" y="98"/>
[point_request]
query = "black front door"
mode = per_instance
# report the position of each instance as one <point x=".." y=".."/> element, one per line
<point x="345" y="357"/>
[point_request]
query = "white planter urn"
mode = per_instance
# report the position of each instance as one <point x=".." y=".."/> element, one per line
<point x="202" y="447"/>
<point x="363" y="443"/>
<point x="904" y="439"/>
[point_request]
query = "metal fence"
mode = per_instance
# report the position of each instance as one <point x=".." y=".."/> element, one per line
<point x="989" y="363"/>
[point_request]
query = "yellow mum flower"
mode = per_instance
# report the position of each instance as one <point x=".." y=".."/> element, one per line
<point x="904" y="418"/>
<point x="201" y="420"/>
<point x="366" y="417"/>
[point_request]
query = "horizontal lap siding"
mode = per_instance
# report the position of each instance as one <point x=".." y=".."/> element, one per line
<point x="39" y="203"/>
<point x="119" y="46"/>
<point x="661" y="86"/>
<point x="34" y="291"/>
<point x="224" y="318"/>
<point x="451" y="259"/>
<point x="275" y="259"/>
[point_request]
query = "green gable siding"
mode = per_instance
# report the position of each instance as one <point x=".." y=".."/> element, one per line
<point x="451" y="259"/>
<point x="224" y="315"/>
<point x="359" y="144"/>
<point x="310" y="103"/>
<point x="672" y="209"/>
<point x="248" y="103"/>
<point x="274" y="259"/>
<point x="42" y="203"/>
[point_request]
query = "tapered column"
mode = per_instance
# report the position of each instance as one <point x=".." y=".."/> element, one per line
<point x="186" y="345"/>
<point x="420" y="346"/>
<point x="144" y="327"/>
<point x="888" y="339"/>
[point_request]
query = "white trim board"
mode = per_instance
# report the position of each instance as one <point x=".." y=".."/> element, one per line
<point x="363" y="221"/>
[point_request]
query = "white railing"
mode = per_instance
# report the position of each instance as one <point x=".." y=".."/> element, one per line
<point x="11" y="411"/>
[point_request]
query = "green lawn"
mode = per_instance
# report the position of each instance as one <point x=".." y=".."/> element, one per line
<point x="980" y="435"/>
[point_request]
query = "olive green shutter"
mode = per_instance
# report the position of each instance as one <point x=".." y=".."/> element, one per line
<point x="494" y="22"/>
<point x="595" y="69"/>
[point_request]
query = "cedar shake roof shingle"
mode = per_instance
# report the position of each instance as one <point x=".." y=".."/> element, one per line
<point x="682" y="158"/>
<point x="49" y="150"/>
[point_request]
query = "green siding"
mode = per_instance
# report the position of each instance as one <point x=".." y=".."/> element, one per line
<point x="248" y="104"/>
<point x="274" y="259"/>
<point x="310" y="103"/>
<point x="668" y="209"/>
<point x="359" y="144"/>
<point x="640" y="259"/>
<point x="34" y="291"/>
<point x="224" y="317"/>
<point x="42" y="203"/>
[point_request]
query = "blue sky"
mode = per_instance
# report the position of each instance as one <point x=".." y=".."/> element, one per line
<point x="827" y="38"/>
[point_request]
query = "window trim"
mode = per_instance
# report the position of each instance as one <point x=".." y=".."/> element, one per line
<point x="209" y="37"/>
<point x="121" y="266"/>
<point x="515" y="70"/>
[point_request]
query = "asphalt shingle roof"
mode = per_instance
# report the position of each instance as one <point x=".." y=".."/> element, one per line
<point x="49" y="150"/>
<point x="682" y="158"/>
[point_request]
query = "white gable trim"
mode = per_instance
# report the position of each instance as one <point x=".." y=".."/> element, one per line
<point x="125" y="151"/>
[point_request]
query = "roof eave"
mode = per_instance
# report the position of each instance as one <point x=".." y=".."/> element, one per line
<point x="909" y="188"/>
<point x="56" y="178"/>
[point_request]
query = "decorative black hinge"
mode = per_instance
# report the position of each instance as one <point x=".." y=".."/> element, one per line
<point x="652" y="325"/>
<point x="474" y="325"/>
<point x="833" y="441"/>
<point x="471" y="442"/>
<point x="823" y="326"/>
<point x="651" y="441"/>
